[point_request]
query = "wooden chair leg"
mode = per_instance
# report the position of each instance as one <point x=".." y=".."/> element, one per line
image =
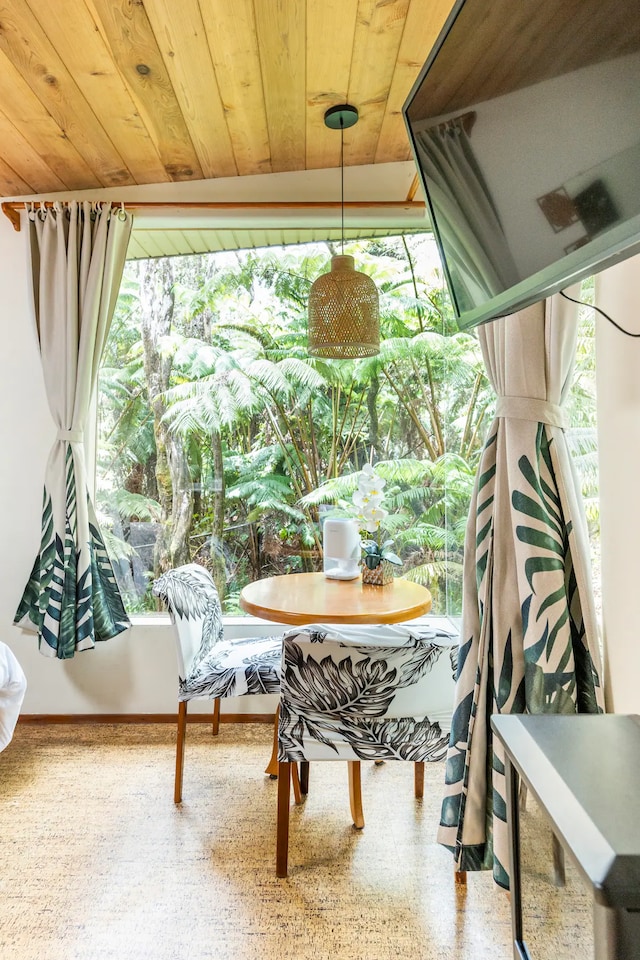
<point x="418" y="779"/>
<point x="272" y="766"/>
<point x="304" y="777"/>
<point x="182" y="729"/>
<point x="297" y="793"/>
<point x="461" y="877"/>
<point x="215" y="726"/>
<point x="355" y="793"/>
<point x="282" y="829"/>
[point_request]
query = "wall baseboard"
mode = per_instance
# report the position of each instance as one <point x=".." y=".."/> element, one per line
<point x="142" y="718"/>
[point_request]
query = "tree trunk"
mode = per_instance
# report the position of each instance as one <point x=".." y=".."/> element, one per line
<point x="219" y="567"/>
<point x="175" y="489"/>
<point x="372" y="410"/>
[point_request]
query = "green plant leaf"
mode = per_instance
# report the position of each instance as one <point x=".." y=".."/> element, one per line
<point x="370" y="546"/>
<point x="391" y="557"/>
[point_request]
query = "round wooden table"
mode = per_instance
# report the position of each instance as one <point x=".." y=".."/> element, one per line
<point x="299" y="598"/>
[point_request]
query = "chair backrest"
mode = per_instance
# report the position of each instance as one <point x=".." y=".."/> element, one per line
<point x="364" y="693"/>
<point x="191" y="596"/>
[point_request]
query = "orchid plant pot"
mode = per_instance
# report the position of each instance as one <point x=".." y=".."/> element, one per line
<point x="380" y="575"/>
<point x="378" y="562"/>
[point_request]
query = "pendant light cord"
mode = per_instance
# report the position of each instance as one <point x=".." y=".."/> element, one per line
<point x="342" y="183"/>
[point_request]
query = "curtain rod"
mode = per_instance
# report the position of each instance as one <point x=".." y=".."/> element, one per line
<point x="11" y="208"/>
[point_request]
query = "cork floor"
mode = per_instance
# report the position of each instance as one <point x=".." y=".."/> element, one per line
<point x="98" y="863"/>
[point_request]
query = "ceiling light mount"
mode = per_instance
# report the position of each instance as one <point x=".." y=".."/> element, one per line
<point x="341" y="117"/>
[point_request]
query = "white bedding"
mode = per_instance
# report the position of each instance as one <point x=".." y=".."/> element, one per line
<point x="13" y="685"/>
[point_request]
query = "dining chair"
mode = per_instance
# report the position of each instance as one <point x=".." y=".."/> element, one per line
<point x="208" y="665"/>
<point x="361" y="693"/>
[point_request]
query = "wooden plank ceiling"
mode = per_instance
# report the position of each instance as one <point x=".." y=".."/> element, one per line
<point x="103" y="93"/>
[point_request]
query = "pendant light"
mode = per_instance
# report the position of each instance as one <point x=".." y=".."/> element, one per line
<point x="344" y="318"/>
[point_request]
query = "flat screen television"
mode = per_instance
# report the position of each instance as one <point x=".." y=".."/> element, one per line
<point x="525" y="127"/>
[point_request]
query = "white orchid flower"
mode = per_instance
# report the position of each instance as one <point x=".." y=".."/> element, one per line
<point x="368" y="497"/>
<point x="368" y="476"/>
<point x="368" y="500"/>
<point x="371" y="483"/>
<point x="374" y="517"/>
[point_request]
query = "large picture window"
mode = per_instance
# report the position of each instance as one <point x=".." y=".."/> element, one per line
<point x="221" y="441"/>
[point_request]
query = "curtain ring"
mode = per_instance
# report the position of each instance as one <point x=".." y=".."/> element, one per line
<point x="122" y="213"/>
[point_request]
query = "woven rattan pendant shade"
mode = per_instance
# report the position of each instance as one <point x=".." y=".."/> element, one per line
<point x="344" y="320"/>
<point x="344" y="314"/>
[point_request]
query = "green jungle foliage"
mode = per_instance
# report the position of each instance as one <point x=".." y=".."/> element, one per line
<point x="222" y="442"/>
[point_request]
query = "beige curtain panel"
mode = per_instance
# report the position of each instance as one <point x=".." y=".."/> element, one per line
<point x="529" y="636"/>
<point x="78" y="254"/>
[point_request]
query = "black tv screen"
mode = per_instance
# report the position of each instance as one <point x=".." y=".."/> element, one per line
<point x="525" y="127"/>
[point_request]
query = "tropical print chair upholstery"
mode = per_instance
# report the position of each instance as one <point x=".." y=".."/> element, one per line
<point x="361" y="693"/>
<point x="208" y="665"/>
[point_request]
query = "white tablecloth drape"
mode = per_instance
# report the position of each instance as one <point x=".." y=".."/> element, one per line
<point x="13" y="685"/>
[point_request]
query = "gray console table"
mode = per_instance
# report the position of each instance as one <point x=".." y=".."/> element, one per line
<point x="584" y="771"/>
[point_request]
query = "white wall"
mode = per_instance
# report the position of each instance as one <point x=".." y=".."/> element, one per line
<point x="618" y="385"/>
<point x="136" y="671"/>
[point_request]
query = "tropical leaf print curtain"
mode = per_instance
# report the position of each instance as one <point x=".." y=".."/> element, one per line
<point x="529" y="640"/>
<point x="77" y="256"/>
